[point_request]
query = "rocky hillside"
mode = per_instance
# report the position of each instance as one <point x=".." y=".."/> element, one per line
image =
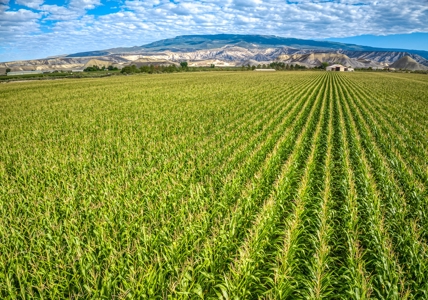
<point x="316" y="59"/>
<point x="387" y="57"/>
<point x="408" y="63"/>
<point x="61" y="63"/>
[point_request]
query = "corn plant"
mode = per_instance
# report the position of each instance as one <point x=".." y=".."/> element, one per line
<point x="225" y="185"/>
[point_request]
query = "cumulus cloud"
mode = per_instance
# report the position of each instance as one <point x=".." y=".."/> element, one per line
<point x="14" y="23"/>
<point x="35" y="4"/>
<point x="246" y="3"/>
<point x="74" y="10"/>
<point x="84" y="4"/>
<point x="139" y="22"/>
<point x="61" y="13"/>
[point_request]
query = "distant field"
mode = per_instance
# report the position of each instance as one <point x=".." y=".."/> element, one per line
<point x="286" y="185"/>
<point x="59" y="75"/>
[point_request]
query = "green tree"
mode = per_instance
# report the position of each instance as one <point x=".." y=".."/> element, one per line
<point x="92" y="69"/>
<point x="144" y="69"/>
<point x="324" y="65"/>
<point x="184" y="64"/>
<point x="8" y="70"/>
<point x="130" y="70"/>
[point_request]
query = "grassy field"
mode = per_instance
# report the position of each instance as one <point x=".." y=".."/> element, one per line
<point x="286" y="185"/>
<point x="59" y="75"/>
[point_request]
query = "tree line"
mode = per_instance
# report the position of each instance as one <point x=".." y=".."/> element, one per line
<point x="153" y="69"/>
<point x="95" y="68"/>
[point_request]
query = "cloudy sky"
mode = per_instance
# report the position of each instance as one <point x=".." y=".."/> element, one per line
<point x="40" y="28"/>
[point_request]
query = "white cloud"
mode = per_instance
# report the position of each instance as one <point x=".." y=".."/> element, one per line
<point x="84" y="4"/>
<point x="35" y="4"/>
<point x="243" y="3"/>
<point x="140" y="22"/>
<point x="75" y="9"/>
<point x="19" y="22"/>
<point x="61" y="13"/>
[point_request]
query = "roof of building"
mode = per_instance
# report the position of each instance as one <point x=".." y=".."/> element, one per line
<point x="24" y="72"/>
<point x="336" y="65"/>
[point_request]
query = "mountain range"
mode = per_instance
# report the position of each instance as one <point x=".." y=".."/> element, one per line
<point x="231" y="50"/>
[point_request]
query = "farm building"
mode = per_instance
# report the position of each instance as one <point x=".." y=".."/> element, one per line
<point x="24" y="73"/>
<point x="339" y="68"/>
<point x="265" y="70"/>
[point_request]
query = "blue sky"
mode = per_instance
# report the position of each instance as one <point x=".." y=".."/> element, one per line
<point x="40" y="28"/>
<point x="415" y="41"/>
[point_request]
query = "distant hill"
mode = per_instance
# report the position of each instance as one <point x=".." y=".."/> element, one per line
<point x="98" y="63"/>
<point x="190" y="43"/>
<point x="203" y="42"/>
<point x="90" y="53"/>
<point x="316" y="59"/>
<point x="231" y="50"/>
<point x="408" y="63"/>
<point x="217" y="42"/>
<point x="387" y="57"/>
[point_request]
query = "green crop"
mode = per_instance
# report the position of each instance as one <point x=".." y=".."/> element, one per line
<point x="302" y="185"/>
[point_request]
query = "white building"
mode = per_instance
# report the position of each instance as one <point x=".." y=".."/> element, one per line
<point x="339" y="68"/>
<point x="24" y="73"/>
<point x="265" y="70"/>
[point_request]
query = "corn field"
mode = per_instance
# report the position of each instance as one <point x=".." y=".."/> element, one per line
<point x="225" y="185"/>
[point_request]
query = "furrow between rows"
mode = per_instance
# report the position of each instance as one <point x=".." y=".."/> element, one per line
<point x="292" y="257"/>
<point x="351" y="279"/>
